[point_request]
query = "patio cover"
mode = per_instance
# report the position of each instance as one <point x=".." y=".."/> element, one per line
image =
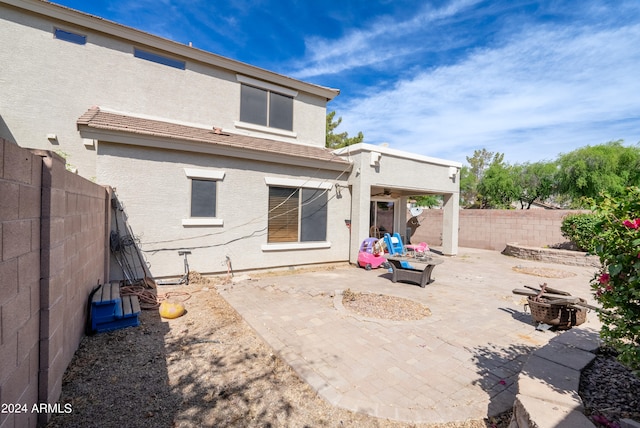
<point x="395" y="174"/>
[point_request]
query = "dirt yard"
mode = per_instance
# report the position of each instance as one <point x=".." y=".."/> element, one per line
<point x="207" y="368"/>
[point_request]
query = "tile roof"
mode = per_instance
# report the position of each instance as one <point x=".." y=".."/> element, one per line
<point x="104" y="120"/>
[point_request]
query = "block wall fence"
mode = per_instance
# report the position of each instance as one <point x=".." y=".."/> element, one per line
<point x="492" y="229"/>
<point x="53" y="251"/>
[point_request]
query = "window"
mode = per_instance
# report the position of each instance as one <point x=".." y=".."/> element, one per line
<point x="253" y="105"/>
<point x="68" y="36"/>
<point x="159" y="59"/>
<point x="297" y="215"/>
<point x="203" y="198"/>
<point x="265" y="107"/>
<point x="203" y="207"/>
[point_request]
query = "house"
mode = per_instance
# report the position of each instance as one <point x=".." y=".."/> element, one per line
<point x="205" y="153"/>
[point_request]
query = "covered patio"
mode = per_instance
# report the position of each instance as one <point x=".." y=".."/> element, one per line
<point x="381" y="182"/>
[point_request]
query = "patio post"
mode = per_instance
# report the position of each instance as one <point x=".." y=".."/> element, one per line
<point x="360" y="200"/>
<point x="450" y="223"/>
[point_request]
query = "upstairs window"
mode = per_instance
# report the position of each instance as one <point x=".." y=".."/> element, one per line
<point x="267" y="108"/>
<point x="266" y="104"/>
<point x="68" y="36"/>
<point x="159" y="59"/>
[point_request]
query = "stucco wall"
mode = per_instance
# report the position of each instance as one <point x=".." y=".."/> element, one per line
<point x="53" y="235"/>
<point x="53" y="82"/>
<point x="155" y="195"/>
<point x="406" y="174"/>
<point x="492" y="229"/>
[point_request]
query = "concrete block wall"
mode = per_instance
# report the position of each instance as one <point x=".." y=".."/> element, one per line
<point x="54" y="249"/>
<point x="74" y="260"/>
<point x="20" y="179"/>
<point x="492" y="229"/>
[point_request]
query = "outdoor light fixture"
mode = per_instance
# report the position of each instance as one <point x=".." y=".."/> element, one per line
<point x="339" y="188"/>
<point x="375" y="158"/>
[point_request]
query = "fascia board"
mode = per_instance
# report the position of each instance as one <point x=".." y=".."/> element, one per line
<point x="364" y="147"/>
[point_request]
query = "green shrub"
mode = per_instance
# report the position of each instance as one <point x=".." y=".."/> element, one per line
<point x="617" y="284"/>
<point x="581" y="229"/>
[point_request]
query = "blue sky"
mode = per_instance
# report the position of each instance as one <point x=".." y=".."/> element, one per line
<point x="530" y="79"/>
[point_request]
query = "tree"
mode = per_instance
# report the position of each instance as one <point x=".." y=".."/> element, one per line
<point x="591" y="170"/>
<point x="428" y="201"/>
<point x="471" y="176"/>
<point x="468" y="186"/>
<point x="336" y="141"/>
<point x="534" y="181"/>
<point x="497" y="188"/>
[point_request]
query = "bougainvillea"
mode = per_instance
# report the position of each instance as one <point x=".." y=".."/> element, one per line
<point x="617" y="285"/>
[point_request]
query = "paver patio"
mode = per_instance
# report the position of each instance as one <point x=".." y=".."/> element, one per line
<point x="460" y="363"/>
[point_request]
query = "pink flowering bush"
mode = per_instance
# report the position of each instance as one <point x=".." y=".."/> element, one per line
<point x="632" y="224"/>
<point x="617" y="285"/>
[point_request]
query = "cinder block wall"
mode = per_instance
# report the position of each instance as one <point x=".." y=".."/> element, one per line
<point x="20" y="173"/>
<point x="492" y="229"/>
<point x="54" y="250"/>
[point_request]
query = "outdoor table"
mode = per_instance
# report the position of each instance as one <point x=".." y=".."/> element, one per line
<point x="413" y="269"/>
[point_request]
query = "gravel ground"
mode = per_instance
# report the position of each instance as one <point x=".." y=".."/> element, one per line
<point x="383" y="306"/>
<point x="610" y="391"/>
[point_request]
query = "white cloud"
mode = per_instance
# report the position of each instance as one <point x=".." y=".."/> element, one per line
<point x="544" y="91"/>
<point x="376" y="43"/>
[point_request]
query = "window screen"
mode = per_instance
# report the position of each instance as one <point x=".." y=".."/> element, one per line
<point x="68" y="36"/>
<point x="313" y="221"/>
<point x="203" y="198"/>
<point x="253" y="105"/>
<point x="160" y="59"/>
<point x="280" y="111"/>
<point x="266" y="108"/>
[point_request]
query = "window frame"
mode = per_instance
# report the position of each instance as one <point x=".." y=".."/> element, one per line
<point x="159" y="58"/>
<point x="203" y="175"/>
<point x="69" y="36"/>
<point x="287" y="223"/>
<point x="206" y="200"/>
<point x="300" y="187"/>
<point x="270" y="102"/>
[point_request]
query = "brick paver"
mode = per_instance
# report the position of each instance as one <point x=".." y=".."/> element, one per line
<point x="460" y="363"/>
